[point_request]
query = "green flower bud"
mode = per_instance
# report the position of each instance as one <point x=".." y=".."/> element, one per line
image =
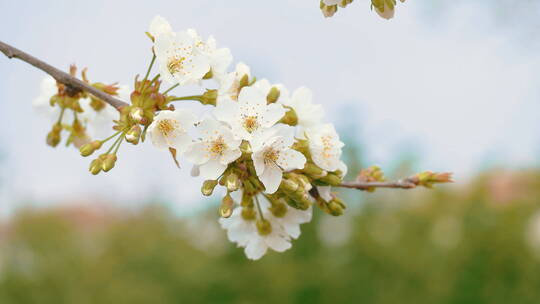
<point x="134" y="134"/>
<point x="89" y="148"/>
<point x="95" y="166"/>
<point x="53" y="137"/>
<point x="226" y="208"/>
<point x="334" y="208"/>
<point x="109" y="160"/>
<point x="137" y="115"/>
<point x="264" y="227"/>
<point x="331" y="179"/>
<point x="244" y="81"/>
<point x="208" y="187"/>
<point x="313" y="170"/>
<point x="288" y="186"/>
<point x="245" y="147"/>
<point x="233" y="182"/>
<point x="273" y="95"/>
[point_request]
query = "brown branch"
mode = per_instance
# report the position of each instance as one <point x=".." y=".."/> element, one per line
<point x="425" y="179"/>
<point x="407" y="183"/>
<point x="60" y="76"/>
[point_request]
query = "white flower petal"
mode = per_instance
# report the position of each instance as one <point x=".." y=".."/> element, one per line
<point x="271" y="178"/>
<point x="212" y="169"/>
<point x="255" y="249"/>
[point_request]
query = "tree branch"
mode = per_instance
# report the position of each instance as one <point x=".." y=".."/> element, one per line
<point x="60" y="76"/>
<point x="399" y="184"/>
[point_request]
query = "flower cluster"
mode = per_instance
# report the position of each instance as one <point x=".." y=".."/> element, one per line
<point x="385" y="8"/>
<point x="267" y="147"/>
<point x="80" y="114"/>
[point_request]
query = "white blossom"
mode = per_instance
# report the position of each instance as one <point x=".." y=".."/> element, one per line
<point x="325" y="147"/>
<point x="308" y="114"/>
<point x="179" y="58"/>
<point x="229" y="84"/>
<point x="159" y="26"/>
<point x="170" y="129"/>
<point x="273" y="155"/>
<point x="219" y="59"/>
<point x="216" y="149"/>
<point x="42" y="103"/>
<point x="250" y="115"/>
<point x="245" y="233"/>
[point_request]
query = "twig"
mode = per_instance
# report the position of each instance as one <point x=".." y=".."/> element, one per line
<point x="60" y="76"/>
<point x="407" y="183"/>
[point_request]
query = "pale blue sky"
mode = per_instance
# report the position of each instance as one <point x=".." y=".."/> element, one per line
<point x="458" y="86"/>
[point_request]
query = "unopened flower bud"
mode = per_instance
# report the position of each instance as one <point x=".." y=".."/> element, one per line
<point x="95" y="166"/>
<point x="226" y="208"/>
<point x="233" y="182"/>
<point x="137" y="115"/>
<point x="134" y="134"/>
<point x="208" y="74"/>
<point x="313" y="170"/>
<point x="273" y="95"/>
<point x="53" y="137"/>
<point x="89" y="148"/>
<point x="334" y="208"/>
<point x="208" y="187"/>
<point x="288" y="185"/>
<point x="328" y="10"/>
<point x="109" y="160"/>
<point x="331" y="179"/>
<point x="248" y="213"/>
<point x="264" y="227"/>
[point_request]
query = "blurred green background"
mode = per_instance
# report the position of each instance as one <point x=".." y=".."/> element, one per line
<point x="478" y="243"/>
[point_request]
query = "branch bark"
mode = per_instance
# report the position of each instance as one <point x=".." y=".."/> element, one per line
<point x="60" y="76"/>
<point x="407" y="183"/>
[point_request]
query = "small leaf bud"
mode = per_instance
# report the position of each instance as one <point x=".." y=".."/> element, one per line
<point x="208" y="187"/>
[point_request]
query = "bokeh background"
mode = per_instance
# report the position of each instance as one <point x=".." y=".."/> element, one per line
<point x="445" y="86"/>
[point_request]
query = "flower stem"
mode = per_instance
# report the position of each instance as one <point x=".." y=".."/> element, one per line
<point x="108" y="138"/>
<point x="119" y="143"/>
<point x="61" y="116"/>
<point x="259" y="207"/>
<point x="114" y="144"/>
<point x="194" y="97"/>
<point x="149" y="67"/>
<point x="170" y="89"/>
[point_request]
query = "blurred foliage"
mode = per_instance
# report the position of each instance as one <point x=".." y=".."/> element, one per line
<point x="473" y="244"/>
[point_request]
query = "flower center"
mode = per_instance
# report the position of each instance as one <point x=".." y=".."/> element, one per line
<point x="270" y="156"/>
<point x="327" y="146"/>
<point x="218" y="146"/>
<point x="176" y="64"/>
<point x="167" y="126"/>
<point x="250" y="123"/>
